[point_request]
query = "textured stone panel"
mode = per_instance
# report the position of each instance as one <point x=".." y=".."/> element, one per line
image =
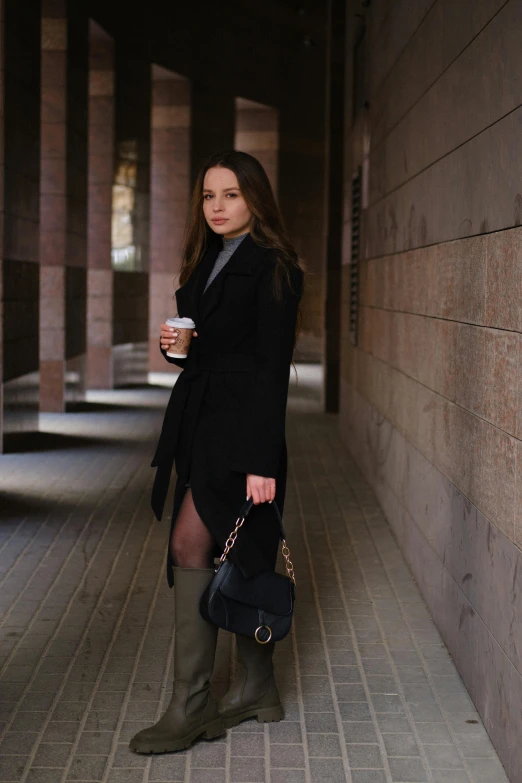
<point x="475" y="455"/>
<point x="466" y="568"/>
<point x="476" y="198"/>
<point x="390" y="33"/>
<point x="504" y="280"/>
<point x="461" y="104"/>
<point x="445" y="32"/>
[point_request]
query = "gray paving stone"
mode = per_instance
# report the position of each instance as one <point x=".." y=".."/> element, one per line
<point x="324" y="745"/>
<point x="215" y="775"/>
<point x="411" y="674"/>
<point x="476" y="748"/>
<point x="354" y="711"/>
<point x="11" y="767"/>
<point x="321" y="721"/>
<point x="247" y="770"/>
<point x="327" y="771"/>
<point x="125" y="776"/>
<point x="374" y="666"/>
<point x="87" y="768"/>
<point x="69" y="710"/>
<point x="28" y="721"/>
<point x="313" y="685"/>
<point x="425" y="711"/>
<point x="443" y="757"/>
<point x="286" y="731"/>
<point x="350" y="692"/>
<point x="95" y="742"/>
<point x="418" y="692"/>
<point x="400" y="745"/>
<point x="450" y="776"/>
<point x="364" y="757"/>
<point x="362" y="731"/>
<point x="60" y="731"/>
<point x="387" y="703"/>
<point x="487" y="771"/>
<point x="287" y="776"/>
<point x="344" y="657"/>
<point x="433" y="733"/>
<point x="291" y="756"/>
<point x="247" y="745"/>
<point x="52" y="754"/>
<point x="368" y="776"/>
<point x="381" y="684"/>
<point x="210" y="754"/>
<point x="102" y="720"/>
<point x="407" y="769"/>
<point x="124" y="757"/>
<point x="16" y="742"/>
<point x="167" y="768"/>
<point x="338" y="643"/>
<point x="317" y="703"/>
<point x="40" y="775"/>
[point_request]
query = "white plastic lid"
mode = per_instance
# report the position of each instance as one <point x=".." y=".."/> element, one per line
<point x="181" y="323"/>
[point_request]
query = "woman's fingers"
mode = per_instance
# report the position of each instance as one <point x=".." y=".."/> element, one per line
<point x="168" y="336"/>
<point x="260" y="489"/>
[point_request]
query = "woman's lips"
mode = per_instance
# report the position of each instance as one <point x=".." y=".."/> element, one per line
<point x="219" y="220"/>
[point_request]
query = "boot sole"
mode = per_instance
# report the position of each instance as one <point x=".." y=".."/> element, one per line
<point x="264" y="715"/>
<point x="212" y="730"/>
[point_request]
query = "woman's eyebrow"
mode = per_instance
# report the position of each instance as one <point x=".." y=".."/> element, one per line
<point x="206" y="190"/>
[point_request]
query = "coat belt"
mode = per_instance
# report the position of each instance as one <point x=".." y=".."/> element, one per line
<point x="185" y="400"/>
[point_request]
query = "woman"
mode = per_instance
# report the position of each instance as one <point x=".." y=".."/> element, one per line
<point x="224" y="429"/>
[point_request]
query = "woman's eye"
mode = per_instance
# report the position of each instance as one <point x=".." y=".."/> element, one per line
<point x="234" y="195"/>
<point x="207" y="195"/>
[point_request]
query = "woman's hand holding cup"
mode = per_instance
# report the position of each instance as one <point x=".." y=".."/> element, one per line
<point x="175" y="337"/>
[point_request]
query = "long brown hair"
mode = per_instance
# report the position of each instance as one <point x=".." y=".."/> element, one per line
<point x="267" y="229"/>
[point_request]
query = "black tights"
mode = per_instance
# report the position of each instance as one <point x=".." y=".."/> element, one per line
<point x="191" y="544"/>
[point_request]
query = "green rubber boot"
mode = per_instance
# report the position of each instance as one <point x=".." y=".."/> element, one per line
<point x="192" y="711"/>
<point x="253" y="693"/>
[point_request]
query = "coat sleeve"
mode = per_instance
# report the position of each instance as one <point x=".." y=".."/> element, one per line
<point x="172" y="360"/>
<point x="260" y="436"/>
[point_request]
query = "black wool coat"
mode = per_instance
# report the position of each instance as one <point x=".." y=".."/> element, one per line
<point x="226" y="414"/>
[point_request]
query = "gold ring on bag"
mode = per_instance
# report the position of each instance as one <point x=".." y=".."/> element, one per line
<point x="261" y="641"/>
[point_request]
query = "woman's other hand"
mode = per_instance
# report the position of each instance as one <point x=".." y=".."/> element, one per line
<point x="169" y="335"/>
<point x="260" y="488"/>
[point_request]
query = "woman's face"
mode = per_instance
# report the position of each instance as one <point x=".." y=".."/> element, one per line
<point x="225" y="209"/>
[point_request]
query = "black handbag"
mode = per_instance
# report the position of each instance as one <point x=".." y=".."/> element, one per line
<point x="260" y="607"/>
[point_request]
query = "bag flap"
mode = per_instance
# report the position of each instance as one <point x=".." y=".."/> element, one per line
<point x="272" y="592"/>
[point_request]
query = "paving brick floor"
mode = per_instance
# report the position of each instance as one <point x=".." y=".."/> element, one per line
<point x="86" y="642"/>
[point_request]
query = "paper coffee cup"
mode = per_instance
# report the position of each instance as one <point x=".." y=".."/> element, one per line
<point x="185" y="326"/>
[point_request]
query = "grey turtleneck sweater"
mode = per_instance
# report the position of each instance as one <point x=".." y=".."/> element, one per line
<point x="229" y="247"/>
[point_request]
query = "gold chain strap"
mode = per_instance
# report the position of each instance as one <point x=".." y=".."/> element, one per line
<point x="231" y="540"/>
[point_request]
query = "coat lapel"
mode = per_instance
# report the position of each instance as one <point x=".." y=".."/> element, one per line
<point x="243" y="261"/>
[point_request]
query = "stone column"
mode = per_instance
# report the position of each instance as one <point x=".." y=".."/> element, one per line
<point x="257" y="133"/>
<point x="169" y="198"/>
<point x="63" y="219"/>
<point x="101" y="172"/>
<point x="19" y="215"/>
